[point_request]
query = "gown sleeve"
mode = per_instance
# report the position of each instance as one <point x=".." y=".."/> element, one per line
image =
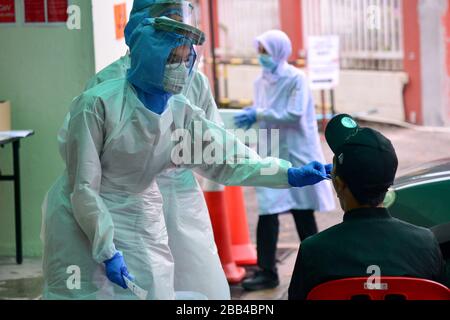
<point x="220" y="156"/>
<point x="85" y="138"/>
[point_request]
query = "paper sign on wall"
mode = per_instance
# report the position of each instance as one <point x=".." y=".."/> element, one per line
<point x="34" y="11"/>
<point x="7" y="11"/>
<point x="57" y="10"/>
<point x="323" y="62"/>
<point x="120" y="18"/>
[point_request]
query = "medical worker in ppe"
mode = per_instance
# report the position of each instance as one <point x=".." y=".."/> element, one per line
<point x="283" y="101"/>
<point x="104" y="215"/>
<point x="191" y="239"/>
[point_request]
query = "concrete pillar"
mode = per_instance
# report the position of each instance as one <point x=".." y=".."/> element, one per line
<point x="435" y="79"/>
<point x="426" y="33"/>
<point x="446" y="23"/>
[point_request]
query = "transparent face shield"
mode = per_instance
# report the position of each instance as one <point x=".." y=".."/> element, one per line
<point x="181" y="11"/>
<point x="182" y="61"/>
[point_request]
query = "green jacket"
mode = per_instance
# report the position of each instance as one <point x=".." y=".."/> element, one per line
<point x="366" y="237"/>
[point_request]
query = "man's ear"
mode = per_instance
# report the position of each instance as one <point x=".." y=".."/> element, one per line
<point x="340" y="184"/>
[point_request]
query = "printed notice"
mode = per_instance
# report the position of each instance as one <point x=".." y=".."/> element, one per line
<point x="7" y="11"/>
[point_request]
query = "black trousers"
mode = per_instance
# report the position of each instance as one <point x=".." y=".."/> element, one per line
<point x="267" y="235"/>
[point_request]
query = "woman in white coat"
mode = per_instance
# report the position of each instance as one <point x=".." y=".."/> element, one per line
<point x="283" y="101"/>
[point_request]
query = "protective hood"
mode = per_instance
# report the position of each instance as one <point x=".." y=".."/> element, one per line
<point x="149" y="52"/>
<point x="139" y="5"/>
<point x="142" y="9"/>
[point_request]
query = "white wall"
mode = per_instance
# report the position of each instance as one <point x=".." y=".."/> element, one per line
<point x="359" y="91"/>
<point x="106" y="47"/>
<point x="362" y="91"/>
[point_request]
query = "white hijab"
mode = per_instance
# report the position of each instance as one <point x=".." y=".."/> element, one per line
<point x="279" y="46"/>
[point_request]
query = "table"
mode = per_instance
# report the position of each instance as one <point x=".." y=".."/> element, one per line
<point x="14" y="137"/>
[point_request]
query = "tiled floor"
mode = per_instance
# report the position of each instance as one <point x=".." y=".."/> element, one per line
<point x="286" y="256"/>
<point x="20" y="281"/>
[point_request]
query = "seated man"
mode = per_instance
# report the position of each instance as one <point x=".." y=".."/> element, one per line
<point x="365" y="164"/>
<point x="442" y="234"/>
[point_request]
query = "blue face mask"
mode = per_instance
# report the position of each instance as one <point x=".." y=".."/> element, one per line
<point x="267" y="62"/>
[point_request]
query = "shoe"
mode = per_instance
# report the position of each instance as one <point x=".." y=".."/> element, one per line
<point x="261" y="280"/>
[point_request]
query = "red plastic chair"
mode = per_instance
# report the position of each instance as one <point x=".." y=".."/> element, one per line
<point x="390" y="288"/>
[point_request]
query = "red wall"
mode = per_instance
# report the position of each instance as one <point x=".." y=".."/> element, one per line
<point x="205" y="27"/>
<point x="291" y="24"/>
<point x="412" y="64"/>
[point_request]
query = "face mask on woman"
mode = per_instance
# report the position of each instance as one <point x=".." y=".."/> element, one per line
<point x="267" y="62"/>
<point x="175" y="77"/>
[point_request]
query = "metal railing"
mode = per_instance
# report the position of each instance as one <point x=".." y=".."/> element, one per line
<point x="240" y="21"/>
<point x="370" y="31"/>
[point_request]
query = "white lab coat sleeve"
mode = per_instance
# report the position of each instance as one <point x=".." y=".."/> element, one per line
<point x="294" y="109"/>
<point x="226" y="160"/>
<point x="84" y="144"/>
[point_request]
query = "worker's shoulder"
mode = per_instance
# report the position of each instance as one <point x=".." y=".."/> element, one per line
<point x="296" y="73"/>
<point x="324" y="238"/>
<point x="96" y="98"/>
<point x="198" y="74"/>
<point x="414" y="232"/>
<point x="105" y="90"/>
<point x="117" y="66"/>
<point x="400" y="231"/>
<point x="199" y="79"/>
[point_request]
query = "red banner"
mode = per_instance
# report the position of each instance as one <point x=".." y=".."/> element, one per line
<point x="34" y="11"/>
<point x="7" y="11"/>
<point x="57" y="10"/>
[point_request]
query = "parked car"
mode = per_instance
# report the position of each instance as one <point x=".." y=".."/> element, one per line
<point x="421" y="195"/>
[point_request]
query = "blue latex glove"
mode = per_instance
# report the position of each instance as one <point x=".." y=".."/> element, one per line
<point x="308" y="175"/>
<point x="329" y="169"/>
<point x="246" y="118"/>
<point x="116" y="269"/>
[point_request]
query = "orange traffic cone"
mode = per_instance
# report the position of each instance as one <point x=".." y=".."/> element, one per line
<point x="215" y="199"/>
<point x="244" y="252"/>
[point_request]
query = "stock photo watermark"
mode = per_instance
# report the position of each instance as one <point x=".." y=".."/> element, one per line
<point x="374" y="280"/>
<point x="214" y="146"/>
<point x="74" y="17"/>
<point x="348" y="21"/>
<point x="73" y="282"/>
<point x="373" y="16"/>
